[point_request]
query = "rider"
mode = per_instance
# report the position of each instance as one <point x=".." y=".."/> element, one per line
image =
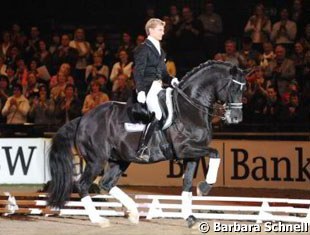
<point x="149" y="74"/>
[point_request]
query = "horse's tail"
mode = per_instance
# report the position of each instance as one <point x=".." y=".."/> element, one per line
<point x="61" y="164"/>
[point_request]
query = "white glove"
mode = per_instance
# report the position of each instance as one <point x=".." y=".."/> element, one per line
<point x="175" y="82"/>
<point x="141" y="97"/>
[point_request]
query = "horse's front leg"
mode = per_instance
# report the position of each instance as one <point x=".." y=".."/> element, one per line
<point x="204" y="187"/>
<point x="108" y="183"/>
<point x="190" y="167"/>
<point x="91" y="170"/>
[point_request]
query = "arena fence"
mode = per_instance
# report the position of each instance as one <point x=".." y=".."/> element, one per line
<point x="167" y="206"/>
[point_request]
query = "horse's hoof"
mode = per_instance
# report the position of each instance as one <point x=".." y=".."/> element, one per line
<point x="191" y="221"/>
<point x="203" y="188"/>
<point x="133" y="217"/>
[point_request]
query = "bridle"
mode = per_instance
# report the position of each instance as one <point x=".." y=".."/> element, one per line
<point x="205" y="108"/>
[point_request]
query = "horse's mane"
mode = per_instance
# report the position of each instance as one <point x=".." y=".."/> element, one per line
<point x="203" y="66"/>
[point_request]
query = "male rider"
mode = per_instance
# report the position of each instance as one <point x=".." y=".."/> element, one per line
<point x="149" y="73"/>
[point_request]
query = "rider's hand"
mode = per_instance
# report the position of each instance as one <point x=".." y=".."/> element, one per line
<point x="175" y="82"/>
<point x="141" y="97"/>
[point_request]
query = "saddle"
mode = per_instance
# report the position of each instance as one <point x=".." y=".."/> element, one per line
<point x="138" y="114"/>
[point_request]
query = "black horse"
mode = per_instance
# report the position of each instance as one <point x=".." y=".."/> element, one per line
<point x="101" y="140"/>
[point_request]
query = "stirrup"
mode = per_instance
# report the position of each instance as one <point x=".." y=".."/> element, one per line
<point x="144" y="154"/>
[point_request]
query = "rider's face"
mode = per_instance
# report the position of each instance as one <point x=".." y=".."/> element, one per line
<point x="157" y="32"/>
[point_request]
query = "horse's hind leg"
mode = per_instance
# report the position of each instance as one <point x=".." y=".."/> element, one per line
<point x="90" y="172"/>
<point x="204" y="187"/>
<point x="108" y="183"/>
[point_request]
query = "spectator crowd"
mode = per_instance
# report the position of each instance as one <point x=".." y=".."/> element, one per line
<point x="51" y="79"/>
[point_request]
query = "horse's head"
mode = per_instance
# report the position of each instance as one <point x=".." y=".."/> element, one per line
<point x="214" y="81"/>
<point x="229" y="91"/>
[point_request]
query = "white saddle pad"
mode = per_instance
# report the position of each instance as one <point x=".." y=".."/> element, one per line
<point x="134" y="127"/>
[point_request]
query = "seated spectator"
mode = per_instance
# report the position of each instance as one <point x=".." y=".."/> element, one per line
<point x="95" y="98"/>
<point x="305" y="39"/>
<point x="256" y="94"/>
<point x="64" y="69"/>
<point x="101" y="48"/>
<point x="281" y="70"/>
<point x="123" y="67"/>
<point x="6" y="44"/>
<point x="299" y="16"/>
<point x="292" y="88"/>
<point x="21" y="72"/>
<point x="32" y="46"/>
<point x="84" y="55"/>
<point x="11" y="75"/>
<point x="13" y="54"/>
<point x="104" y="84"/>
<point x="258" y="27"/>
<point x="16" y="33"/>
<point x="64" y="54"/>
<point x="2" y="66"/>
<point x="97" y="68"/>
<point x="301" y="58"/>
<point x="59" y="89"/>
<point x="5" y="93"/>
<point x="122" y="89"/>
<point x="43" y="55"/>
<point x="257" y="81"/>
<point x="231" y="54"/>
<point x="174" y="15"/>
<point x="31" y="90"/>
<point x="67" y="107"/>
<point x="33" y="65"/>
<point x="273" y="106"/>
<point x="284" y="31"/>
<point x="42" y="108"/>
<point x="16" y="107"/>
<point x="268" y="54"/>
<point x="292" y="112"/>
<point x="126" y="44"/>
<point x="139" y="40"/>
<point x="249" y="57"/>
<point x="55" y="43"/>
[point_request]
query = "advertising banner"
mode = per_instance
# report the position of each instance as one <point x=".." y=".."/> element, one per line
<point x="244" y="163"/>
<point x="22" y="161"/>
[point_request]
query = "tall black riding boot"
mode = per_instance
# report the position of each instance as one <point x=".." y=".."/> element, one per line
<point x="143" y="152"/>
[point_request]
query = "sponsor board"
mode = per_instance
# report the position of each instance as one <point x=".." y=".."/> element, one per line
<point x="244" y="163"/>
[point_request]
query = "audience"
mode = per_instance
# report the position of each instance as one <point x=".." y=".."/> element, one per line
<point x="278" y="52"/>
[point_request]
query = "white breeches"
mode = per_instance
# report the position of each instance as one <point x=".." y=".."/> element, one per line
<point x="152" y="101"/>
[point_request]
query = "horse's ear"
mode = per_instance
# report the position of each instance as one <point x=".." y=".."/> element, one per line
<point x="234" y="70"/>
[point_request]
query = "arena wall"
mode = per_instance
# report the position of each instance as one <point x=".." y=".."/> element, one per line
<point x="245" y="163"/>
